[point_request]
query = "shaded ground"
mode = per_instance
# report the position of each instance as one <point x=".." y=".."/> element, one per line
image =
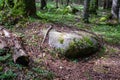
<point x="103" y="67"/>
<point x="47" y="65"/>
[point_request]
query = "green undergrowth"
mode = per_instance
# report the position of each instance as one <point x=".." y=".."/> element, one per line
<point x="111" y="34"/>
<point x="11" y="13"/>
<point x="110" y="31"/>
<point x="63" y="14"/>
<point x="99" y="23"/>
<point x="6" y="74"/>
<point x="57" y="18"/>
<point x="11" y="71"/>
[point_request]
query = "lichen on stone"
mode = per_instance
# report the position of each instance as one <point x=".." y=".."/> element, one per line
<point x="81" y="47"/>
<point x="61" y="39"/>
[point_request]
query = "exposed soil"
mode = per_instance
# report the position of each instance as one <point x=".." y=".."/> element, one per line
<point x="105" y="67"/>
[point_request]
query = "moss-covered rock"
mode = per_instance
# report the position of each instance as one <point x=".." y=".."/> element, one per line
<point x="81" y="47"/>
<point x="73" y="44"/>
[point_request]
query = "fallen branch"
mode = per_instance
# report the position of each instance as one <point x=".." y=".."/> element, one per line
<point x="48" y="30"/>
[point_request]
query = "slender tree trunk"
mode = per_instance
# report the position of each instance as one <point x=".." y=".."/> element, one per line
<point x="93" y="6"/>
<point x="104" y="6"/>
<point x="68" y="1"/>
<point x="43" y="4"/>
<point x="86" y="11"/>
<point x="115" y="9"/>
<point x="62" y="2"/>
<point x="107" y="4"/>
<point x="57" y="2"/>
<point x="30" y="7"/>
<point x="96" y="4"/>
<point x="25" y="7"/>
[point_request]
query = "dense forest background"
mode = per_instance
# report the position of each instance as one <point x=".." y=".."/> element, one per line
<point x="26" y="18"/>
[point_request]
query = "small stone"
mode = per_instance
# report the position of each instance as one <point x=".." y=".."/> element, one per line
<point x="61" y="67"/>
<point x="43" y="55"/>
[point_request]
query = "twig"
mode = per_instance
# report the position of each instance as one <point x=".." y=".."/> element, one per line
<point x="48" y="30"/>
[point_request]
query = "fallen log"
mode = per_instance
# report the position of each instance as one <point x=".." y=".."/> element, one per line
<point x="8" y="39"/>
<point x="20" y="55"/>
<point x="3" y="46"/>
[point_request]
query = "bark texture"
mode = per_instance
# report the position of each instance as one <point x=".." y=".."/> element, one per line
<point x="57" y="3"/>
<point x="43" y="4"/>
<point x="115" y="8"/>
<point x="107" y="4"/>
<point x="68" y="1"/>
<point x="10" y="40"/>
<point x="30" y="7"/>
<point x="86" y="11"/>
<point x="93" y="6"/>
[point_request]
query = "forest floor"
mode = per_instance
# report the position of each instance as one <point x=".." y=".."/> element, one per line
<point x="103" y="65"/>
<point x="47" y="65"/>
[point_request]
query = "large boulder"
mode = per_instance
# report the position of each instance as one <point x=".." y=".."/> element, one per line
<point x="73" y="44"/>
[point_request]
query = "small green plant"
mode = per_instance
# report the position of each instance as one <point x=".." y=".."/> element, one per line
<point x="61" y="40"/>
<point x="4" y="58"/>
<point x="2" y="51"/>
<point x="102" y="19"/>
<point x="45" y="73"/>
<point x="102" y="52"/>
<point x="8" y="75"/>
<point x="86" y="41"/>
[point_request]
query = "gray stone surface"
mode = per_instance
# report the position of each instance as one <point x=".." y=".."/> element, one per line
<point x="72" y="44"/>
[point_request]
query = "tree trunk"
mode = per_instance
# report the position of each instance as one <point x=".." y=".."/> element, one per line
<point x="62" y="2"/>
<point x="115" y="9"/>
<point x="19" y="54"/>
<point x="68" y="1"/>
<point x="86" y="11"/>
<point x="22" y="7"/>
<point x="57" y="2"/>
<point x="93" y="6"/>
<point x="43" y="4"/>
<point x="30" y="7"/>
<point x="107" y="4"/>
<point x="96" y="4"/>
